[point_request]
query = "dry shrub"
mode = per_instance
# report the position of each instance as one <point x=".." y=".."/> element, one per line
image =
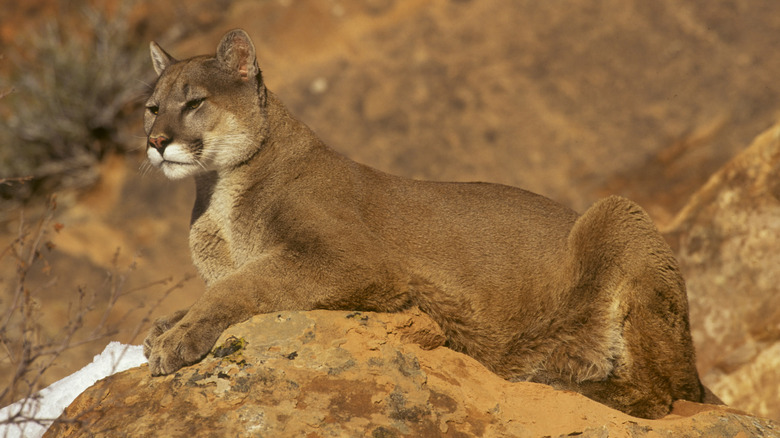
<point x="27" y="349"/>
<point x="72" y="84"/>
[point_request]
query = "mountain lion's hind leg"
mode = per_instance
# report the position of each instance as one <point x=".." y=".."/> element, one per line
<point x="621" y="253"/>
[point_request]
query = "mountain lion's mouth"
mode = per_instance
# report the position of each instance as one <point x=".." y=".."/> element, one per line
<point x="176" y="163"/>
<point x="176" y="166"/>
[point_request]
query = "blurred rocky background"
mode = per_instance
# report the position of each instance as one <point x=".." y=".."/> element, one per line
<point x="657" y="101"/>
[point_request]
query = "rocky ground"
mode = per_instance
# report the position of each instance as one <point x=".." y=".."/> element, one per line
<point x="573" y="100"/>
<point x="326" y="373"/>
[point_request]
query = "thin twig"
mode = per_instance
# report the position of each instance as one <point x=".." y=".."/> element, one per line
<point x="18" y="179"/>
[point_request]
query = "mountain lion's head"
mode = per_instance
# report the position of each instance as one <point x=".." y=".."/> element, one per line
<point x="203" y="112"/>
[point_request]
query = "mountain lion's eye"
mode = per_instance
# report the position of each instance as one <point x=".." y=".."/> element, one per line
<point x="194" y="103"/>
<point x="153" y="109"/>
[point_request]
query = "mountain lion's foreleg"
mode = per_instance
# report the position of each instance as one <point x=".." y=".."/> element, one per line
<point x="270" y="283"/>
<point x="259" y="287"/>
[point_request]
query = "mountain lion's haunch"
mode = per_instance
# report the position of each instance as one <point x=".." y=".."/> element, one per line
<point x="592" y="303"/>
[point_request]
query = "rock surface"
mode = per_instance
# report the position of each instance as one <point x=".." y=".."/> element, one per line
<point x="726" y="241"/>
<point x="326" y="373"/>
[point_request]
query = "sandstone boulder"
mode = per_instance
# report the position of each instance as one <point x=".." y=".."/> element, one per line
<point x="326" y="373"/>
<point x="726" y="240"/>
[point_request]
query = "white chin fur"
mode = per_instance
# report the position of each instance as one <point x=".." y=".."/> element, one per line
<point x="179" y="170"/>
<point x="175" y="163"/>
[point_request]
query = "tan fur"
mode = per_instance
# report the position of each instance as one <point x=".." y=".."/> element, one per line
<point x="592" y="303"/>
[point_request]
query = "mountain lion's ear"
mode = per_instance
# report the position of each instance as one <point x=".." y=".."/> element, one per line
<point x="237" y="53"/>
<point x="160" y="58"/>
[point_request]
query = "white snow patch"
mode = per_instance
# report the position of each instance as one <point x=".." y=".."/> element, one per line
<point x="48" y="403"/>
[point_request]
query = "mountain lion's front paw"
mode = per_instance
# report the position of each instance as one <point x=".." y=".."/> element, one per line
<point x="160" y="326"/>
<point x="176" y="348"/>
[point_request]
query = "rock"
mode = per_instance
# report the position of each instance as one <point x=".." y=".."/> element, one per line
<point x="326" y="373"/>
<point x="726" y="239"/>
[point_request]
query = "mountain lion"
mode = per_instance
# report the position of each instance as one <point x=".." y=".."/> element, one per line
<point x="592" y="303"/>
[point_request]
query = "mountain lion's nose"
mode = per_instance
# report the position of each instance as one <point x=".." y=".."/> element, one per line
<point x="159" y="142"/>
